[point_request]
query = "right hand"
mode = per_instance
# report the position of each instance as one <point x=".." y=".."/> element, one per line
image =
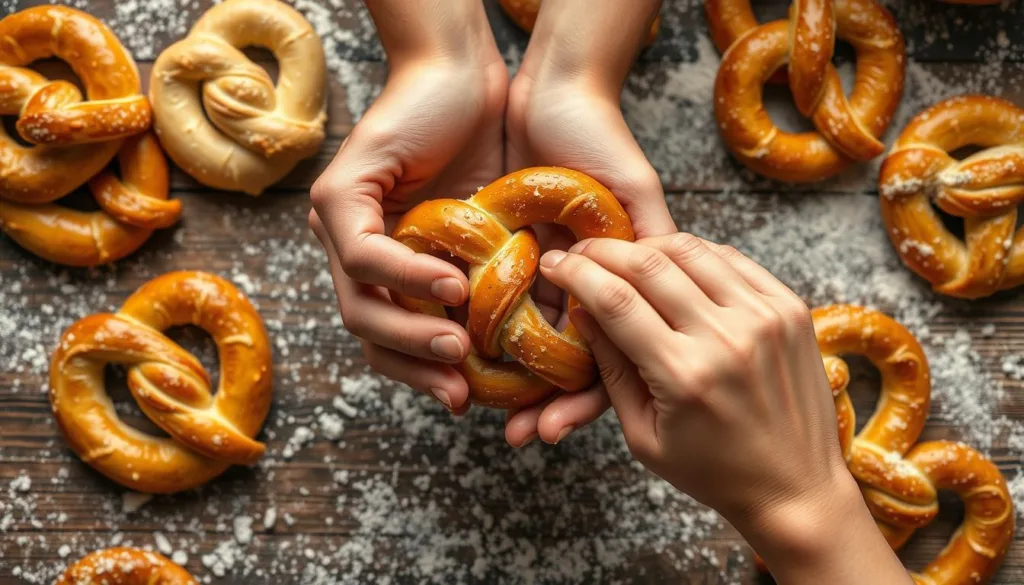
<point x="435" y="131"/>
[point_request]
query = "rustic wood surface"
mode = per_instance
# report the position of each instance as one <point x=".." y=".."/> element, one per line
<point x="410" y="495"/>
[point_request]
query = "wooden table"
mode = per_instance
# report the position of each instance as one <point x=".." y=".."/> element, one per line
<point x="407" y="494"/>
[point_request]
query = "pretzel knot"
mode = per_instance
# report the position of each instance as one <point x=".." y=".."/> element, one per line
<point x="125" y="566"/>
<point x="503" y="318"/>
<point x="984" y="189"/>
<point x="898" y="479"/>
<point x="208" y="432"/>
<point x="848" y="130"/>
<point x="246" y="133"/>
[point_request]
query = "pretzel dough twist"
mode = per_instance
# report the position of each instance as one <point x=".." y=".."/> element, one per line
<point x="898" y="479"/>
<point x="246" y="133"/>
<point x="524" y="14"/>
<point x="503" y="318"/>
<point x="848" y="130"/>
<point x="208" y="432"/>
<point x="125" y="566"/>
<point x="984" y="189"/>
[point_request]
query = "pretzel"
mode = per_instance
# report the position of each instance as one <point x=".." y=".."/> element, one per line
<point x="76" y="139"/>
<point x="125" y="566"/>
<point x="984" y="189"/>
<point x="132" y="207"/>
<point x="524" y="14"/>
<point x="848" y="130"/>
<point x="489" y="231"/>
<point x="245" y="133"/>
<point x="208" y="433"/>
<point x="898" y="479"/>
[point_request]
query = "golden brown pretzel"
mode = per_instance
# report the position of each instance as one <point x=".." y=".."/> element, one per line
<point x="245" y="133"/>
<point x="77" y="138"/>
<point x="482" y="230"/>
<point x="898" y="479"/>
<point x="132" y="207"/>
<point x="208" y="432"/>
<point x="847" y="129"/>
<point x="125" y="566"/>
<point x="984" y="189"/>
<point x="524" y="14"/>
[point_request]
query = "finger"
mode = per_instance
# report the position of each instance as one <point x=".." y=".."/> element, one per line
<point x="756" y="275"/>
<point x="347" y="201"/>
<point x="441" y="381"/>
<point x="570" y="411"/>
<point x="625" y="316"/>
<point x="716" y="277"/>
<point x="668" y="289"/>
<point x="521" y="425"/>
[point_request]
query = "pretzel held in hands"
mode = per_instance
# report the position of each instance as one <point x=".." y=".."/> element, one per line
<point x="524" y="14"/>
<point x="244" y="133"/>
<point x="125" y="566"/>
<point x="984" y="189"/>
<point x="490" y="231"/>
<point x="898" y="479"/>
<point x="848" y="130"/>
<point x="208" y="432"/>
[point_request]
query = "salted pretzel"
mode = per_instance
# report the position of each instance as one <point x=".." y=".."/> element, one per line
<point x="125" y="566"/>
<point x="490" y="231"/>
<point x="244" y="133"/>
<point x="984" y="189"/>
<point x="74" y="138"/>
<point x="208" y="432"/>
<point x="899" y="479"/>
<point x="848" y="130"/>
<point x="524" y="14"/>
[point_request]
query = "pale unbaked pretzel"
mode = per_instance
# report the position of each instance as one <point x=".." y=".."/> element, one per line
<point x="125" y="566"/>
<point x="132" y="207"/>
<point x="524" y="14"/>
<point x="208" y="432"/>
<point x="847" y="129"/>
<point x="75" y="139"/>
<point x="899" y="479"/>
<point x="244" y="133"/>
<point x="503" y="318"/>
<point x="984" y="189"/>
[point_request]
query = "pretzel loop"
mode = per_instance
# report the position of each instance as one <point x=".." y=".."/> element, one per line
<point x="899" y="480"/>
<point x="847" y="129"/>
<point x="245" y="133"/>
<point x="486" y="231"/>
<point x="984" y="189"/>
<point x="125" y="566"/>
<point x="209" y="432"/>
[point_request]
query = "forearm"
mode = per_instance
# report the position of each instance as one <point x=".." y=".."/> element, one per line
<point x="432" y="29"/>
<point x="594" y="41"/>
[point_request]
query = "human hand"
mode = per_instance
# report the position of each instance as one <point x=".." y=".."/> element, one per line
<point x="564" y="111"/>
<point x="713" y="369"/>
<point x="435" y="131"/>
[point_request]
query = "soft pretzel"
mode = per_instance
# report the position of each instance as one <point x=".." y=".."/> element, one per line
<point x="898" y="479"/>
<point x="847" y="129"/>
<point x="132" y="206"/>
<point x="76" y="139"/>
<point x="524" y="14"/>
<point x="490" y="231"/>
<point x="125" y="566"/>
<point x="208" y="431"/>
<point x="245" y="133"/>
<point x="984" y="189"/>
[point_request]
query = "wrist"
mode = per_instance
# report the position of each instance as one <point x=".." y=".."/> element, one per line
<point x="456" y="31"/>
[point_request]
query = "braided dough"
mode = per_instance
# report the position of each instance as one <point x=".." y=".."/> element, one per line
<point x="490" y="231"/>
<point x="125" y="566"/>
<point x="848" y="130"/>
<point x="524" y="14"/>
<point x="208" y="432"/>
<point x="984" y="189"/>
<point x="898" y="479"/>
<point x="245" y="134"/>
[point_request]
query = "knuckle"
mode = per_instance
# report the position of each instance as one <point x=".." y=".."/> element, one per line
<point x="352" y="260"/>
<point x="613" y="375"/>
<point x="322" y="190"/>
<point x="729" y="252"/>
<point x="615" y="300"/>
<point x="647" y="262"/>
<point x="796" y="312"/>
<point x="353" y="321"/>
<point x="684" y="248"/>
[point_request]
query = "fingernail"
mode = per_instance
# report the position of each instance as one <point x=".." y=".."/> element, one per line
<point x="528" y="440"/>
<point x="447" y="290"/>
<point x="564" y="433"/>
<point x="552" y="258"/>
<point x="442" y="396"/>
<point x="447" y="347"/>
<point x="581" y="245"/>
<point x="581" y="321"/>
